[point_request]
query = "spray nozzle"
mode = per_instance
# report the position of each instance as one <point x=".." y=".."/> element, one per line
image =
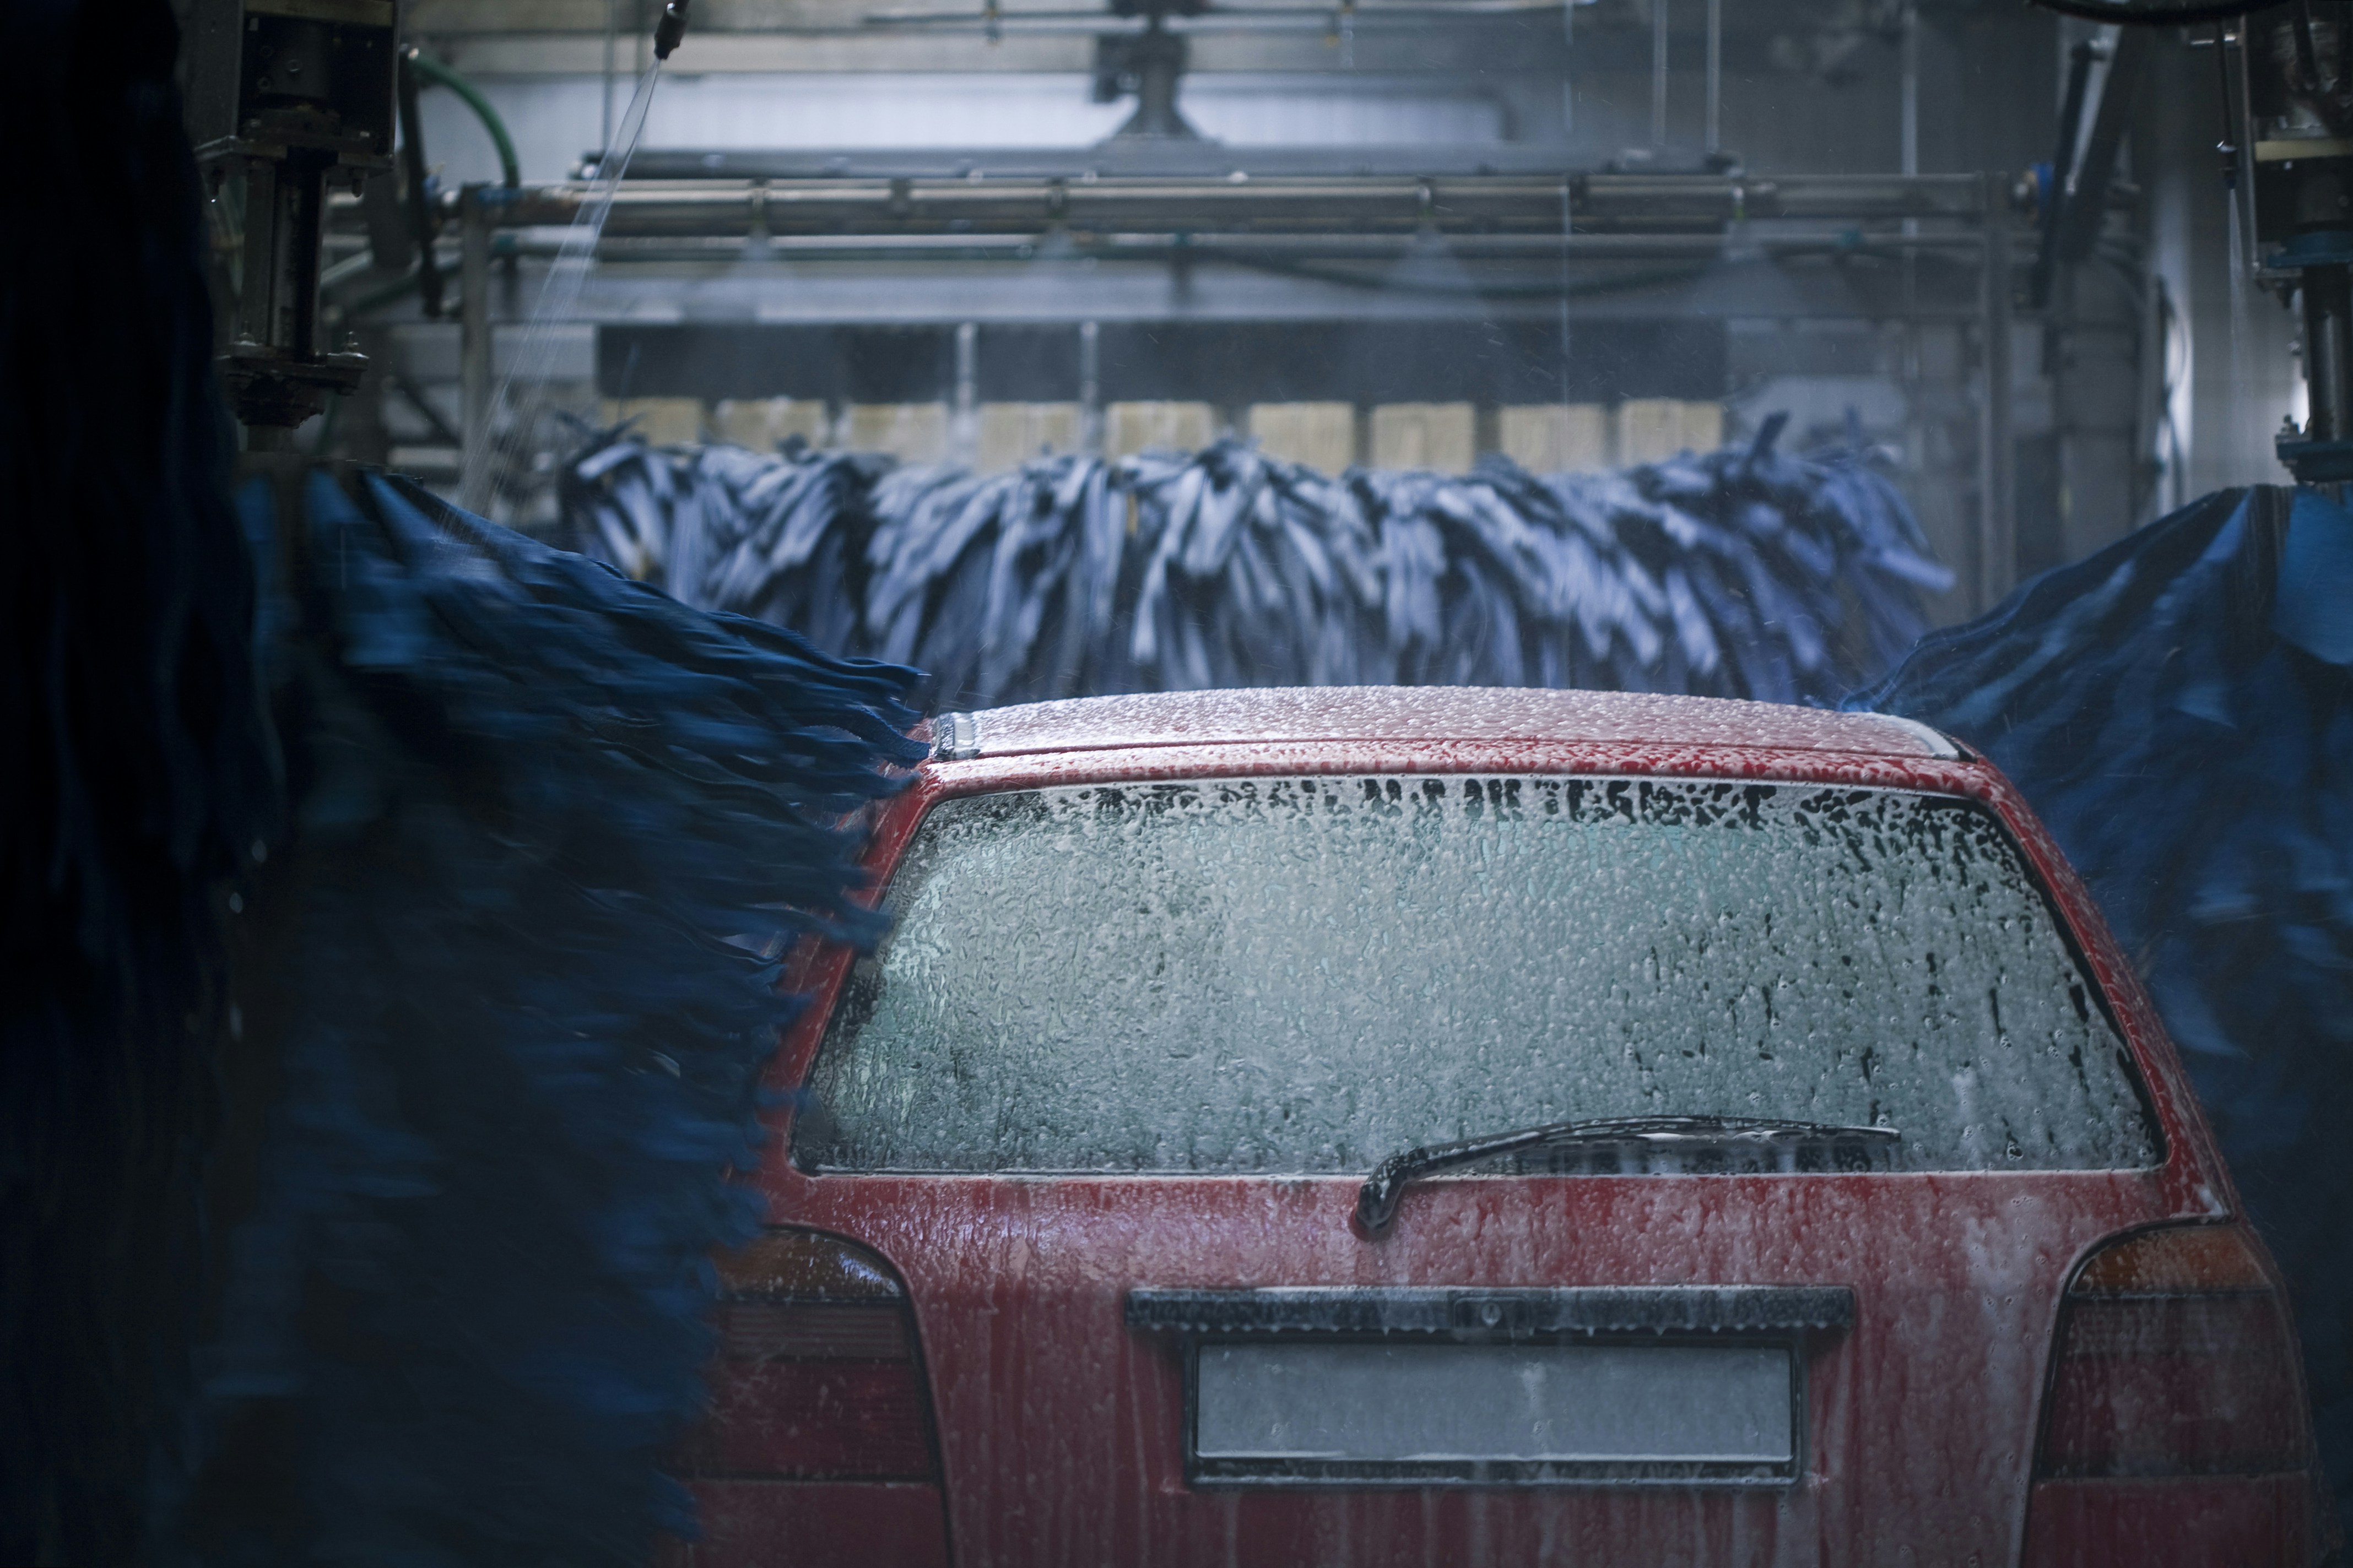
<point x="669" y="29"/>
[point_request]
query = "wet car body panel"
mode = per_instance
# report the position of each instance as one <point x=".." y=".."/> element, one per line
<point x="1061" y="1430"/>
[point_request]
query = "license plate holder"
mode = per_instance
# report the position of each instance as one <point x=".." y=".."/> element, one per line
<point x="1700" y="1386"/>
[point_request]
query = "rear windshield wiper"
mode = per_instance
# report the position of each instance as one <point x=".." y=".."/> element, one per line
<point x="1377" y="1201"/>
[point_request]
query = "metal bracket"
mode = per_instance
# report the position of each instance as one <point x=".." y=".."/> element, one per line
<point x="2314" y="462"/>
<point x="1510" y="1314"/>
<point x="956" y="736"/>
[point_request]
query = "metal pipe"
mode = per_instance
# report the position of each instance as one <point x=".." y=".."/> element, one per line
<point x="1020" y="248"/>
<point x="1090" y="420"/>
<point x="303" y="225"/>
<point x="1567" y="68"/>
<point x="2328" y="354"/>
<point x="612" y="69"/>
<point x="964" y="437"/>
<point x="1997" y="457"/>
<point x="422" y="221"/>
<point x="474" y="346"/>
<point x="1658" y="73"/>
<point x="257" y="302"/>
<point x="1910" y="120"/>
<point x="1361" y="205"/>
<point x="1192" y="162"/>
<point x="2081" y="59"/>
<point x="2085" y="188"/>
<point x="1715" y="79"/>
<point x="1218" y="21"/>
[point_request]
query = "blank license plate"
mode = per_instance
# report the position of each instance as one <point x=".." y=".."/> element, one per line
<point x="1361" y="1413"/>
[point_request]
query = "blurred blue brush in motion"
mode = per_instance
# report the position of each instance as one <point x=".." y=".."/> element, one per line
<point x="554" y="832"/>
<point x="2179" y="709"/>
<point x="366" y="1122"/>
<point x="137" y="768"/>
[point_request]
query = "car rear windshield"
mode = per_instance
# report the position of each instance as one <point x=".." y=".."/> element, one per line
<point x="1305" y="977"/>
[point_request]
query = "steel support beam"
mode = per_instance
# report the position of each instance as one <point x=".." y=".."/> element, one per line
<point x="1997" y="452"/>
<point x="1034" y="203"/>
<point x="474" y="349"/>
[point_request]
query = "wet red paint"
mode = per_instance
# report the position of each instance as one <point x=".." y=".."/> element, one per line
<point x="1059" y="1431"/>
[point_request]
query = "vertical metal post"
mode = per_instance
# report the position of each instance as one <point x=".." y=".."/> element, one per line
<point x="1658" y="73"/>
<point x="1908" y="134"/>
<point x="964" y="427"/>
<point x="1909" y="125"/>
<point x="2327" y="353"/>
<point x="257" y="294"/>
<point x="2151" y="461"/>
<point x="1714" y="76"/>
<point x="1567" y="68"/>
<point x="1996" y="455"/>
<point x="612" y="68"/>
<point x="1091" y="418"/>
<point x="2165" y="427"/>
<point x="474" y="349"/>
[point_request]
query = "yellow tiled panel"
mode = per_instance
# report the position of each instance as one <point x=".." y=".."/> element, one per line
<point x="911" y="432"/>
<point x="1321" y="435"/>
<point x="1010" y="434"/>
<point x="1651" y="428"/>
<point x="1703" y="425"/>
<point x="1133" y="428"/>
<point x="1554" y="437"/>
<point x="1423" y="435"/>
<point x="661" y="421"/>
<point x="760" y="423"/>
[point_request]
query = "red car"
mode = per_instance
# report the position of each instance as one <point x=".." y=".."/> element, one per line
<point x="1472" y="1127"/>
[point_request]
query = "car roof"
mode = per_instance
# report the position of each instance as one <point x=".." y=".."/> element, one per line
<point x="1424" y="713"/>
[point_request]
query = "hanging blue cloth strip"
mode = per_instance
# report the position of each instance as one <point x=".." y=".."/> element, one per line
<point x="1741" y="573"/>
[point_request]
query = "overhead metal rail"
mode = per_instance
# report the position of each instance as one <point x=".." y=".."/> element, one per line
<point x="1495" y="206"/>
<point x="1182" y="249"/>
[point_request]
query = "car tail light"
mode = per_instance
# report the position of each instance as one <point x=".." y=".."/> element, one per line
<point x="2175" y="1358"/>
<point x="816" y="1375"/>
<point x="819" y="1447"/>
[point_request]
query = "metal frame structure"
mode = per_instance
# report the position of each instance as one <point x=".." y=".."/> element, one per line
<point x="285" y="98"/>
<point x="1519" y="228"/>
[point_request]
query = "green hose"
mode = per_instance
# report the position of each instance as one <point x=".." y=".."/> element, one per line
<point x="383" y="294"/>
<point x="434" y="71"/>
